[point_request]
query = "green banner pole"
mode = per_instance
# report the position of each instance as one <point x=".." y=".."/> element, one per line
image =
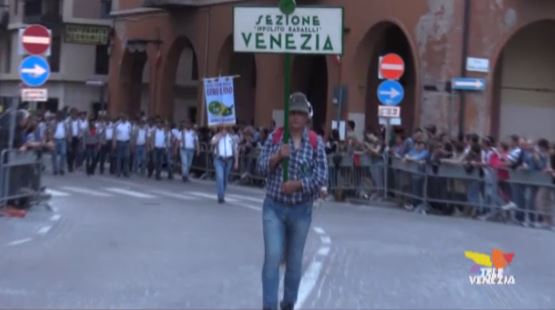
<point x="286" y="92"/>
<point x="287" y="7"/>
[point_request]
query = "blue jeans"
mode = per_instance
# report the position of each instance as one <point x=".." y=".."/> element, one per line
<point x="122" y="157"/>
<point x="59" y="155"/>
<point x="187" y="156"/>
<point x="223" y="170"/>
<point x="285" y="230"/>
<point x="139" y="162"/>
<point x="91" y="156"/>
<point x="159" y="154"/>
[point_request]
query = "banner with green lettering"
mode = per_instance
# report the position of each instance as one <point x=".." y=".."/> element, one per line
<point x="308" y="30"/>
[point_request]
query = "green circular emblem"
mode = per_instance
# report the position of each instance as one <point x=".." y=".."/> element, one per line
<point x="287" y="6"/>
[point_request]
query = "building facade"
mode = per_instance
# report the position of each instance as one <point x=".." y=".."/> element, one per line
<point x="162" y="49"/>
<point x="79" y="56"/>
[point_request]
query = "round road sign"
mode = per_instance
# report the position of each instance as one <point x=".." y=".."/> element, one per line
<point x="392" y="67"/>
<point x="36" y="39"/>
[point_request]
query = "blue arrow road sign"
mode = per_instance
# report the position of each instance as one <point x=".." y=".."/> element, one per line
<point x="34" y="71"/>
<point x="472" y="84"/>
<point x="391" y="93"/>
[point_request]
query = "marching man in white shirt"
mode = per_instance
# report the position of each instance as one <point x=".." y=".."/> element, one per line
<point x="139" y="147"/>
<point x="83" y="127"/>
<point x="60" y="134"/>
<point x="122" y="137"/>
<point x="226" y="156"/>
<point x="161" y="141"/>
<point x="106" y="152"/>
<point x="75" y="134"/>
<point x="188" y="140"/>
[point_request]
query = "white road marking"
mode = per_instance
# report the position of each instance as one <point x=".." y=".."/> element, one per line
<point x="319" y="230"/>
<point x="324" y="251"/>
<point x="203" y="195"/>
<point x="20" y="241"/>
<point x="248" y="206"/>
<point x="86" y="191"/>
<point x="211" y="196"/>
<point x="56" y="193"/>
<point x="252" y="199"/>
<point x="55" y="217"/>
<point x="7" y="291"/>
<point x="325" y="240"/>
<point x="312" y="274"/>
<point x="129" y="193"/>
<point x="44" y="230"/>
<point x="308" y="282"/>
<point x="173" y="195"/>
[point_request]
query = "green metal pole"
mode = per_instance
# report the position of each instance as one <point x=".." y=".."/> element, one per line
<point x="287" y="7"/>
<point x="286" y="92"/>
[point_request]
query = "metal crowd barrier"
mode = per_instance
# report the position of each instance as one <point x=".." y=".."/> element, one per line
<point x="442" y="188"/>
<point x="20" y="178"/>
<point x="357" y="175"/>
<point x="525" y="196"/>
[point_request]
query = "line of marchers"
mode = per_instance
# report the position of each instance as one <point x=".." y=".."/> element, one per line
<point x="287" y="41"/>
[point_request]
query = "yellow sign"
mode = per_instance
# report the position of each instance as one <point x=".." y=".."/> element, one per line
<point x="86" y="34"/>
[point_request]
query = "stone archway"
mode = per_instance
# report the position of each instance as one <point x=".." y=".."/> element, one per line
<point x="131" y="81"/>
<point x="243" y="65"/>
<point x="381" y="39"/>
<point x="310" y="76"/>
<point x="524" y="84"/>
<point x="179" y="82"/>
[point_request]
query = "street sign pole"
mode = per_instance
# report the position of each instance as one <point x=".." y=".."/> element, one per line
<point x="286" y="92"/>
<point x="287" y="7"/>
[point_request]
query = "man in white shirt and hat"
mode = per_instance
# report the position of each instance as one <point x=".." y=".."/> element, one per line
<point x="226" y="157"/>
<point x="121" y="140"/>
<point x="189" y="145"/>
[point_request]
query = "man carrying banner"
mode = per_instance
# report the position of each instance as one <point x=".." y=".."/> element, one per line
<point x="287" y="210"/>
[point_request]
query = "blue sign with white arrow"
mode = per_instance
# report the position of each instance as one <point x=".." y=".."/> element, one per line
<point x="470" y="84"/>
<point x="34" y="71"/>
<point x="391" y="93"/>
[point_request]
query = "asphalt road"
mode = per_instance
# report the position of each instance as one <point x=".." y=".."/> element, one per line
<point x="139" y="243"/>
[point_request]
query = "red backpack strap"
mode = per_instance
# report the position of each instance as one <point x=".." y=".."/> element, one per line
<point x="277" y="135"/>
<point x="313" y="139"/>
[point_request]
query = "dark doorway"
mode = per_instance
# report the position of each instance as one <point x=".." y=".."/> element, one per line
<point x="310" y="76"/>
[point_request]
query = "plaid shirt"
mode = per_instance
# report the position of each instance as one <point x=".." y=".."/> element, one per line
<point x="306" y="164"/>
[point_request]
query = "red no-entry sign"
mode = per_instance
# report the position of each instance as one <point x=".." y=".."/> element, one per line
<point x="36" y="39"/>
<point x="392" y="67"/>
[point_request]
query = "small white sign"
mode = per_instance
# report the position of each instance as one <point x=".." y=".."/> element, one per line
<point x="308" y="30"/>
<point x="389" y="111"/>
<point x="396" y="121"/>
<point x="477" y="64"/>
<point x="34" y="94"/>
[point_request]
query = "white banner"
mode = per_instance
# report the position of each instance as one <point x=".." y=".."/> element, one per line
<point x="220" y="101"/>
<point x="308" y="30"/>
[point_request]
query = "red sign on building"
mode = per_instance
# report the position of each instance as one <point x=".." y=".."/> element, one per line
<point x="36" y="39"/>
<point x="392" y="67"/>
